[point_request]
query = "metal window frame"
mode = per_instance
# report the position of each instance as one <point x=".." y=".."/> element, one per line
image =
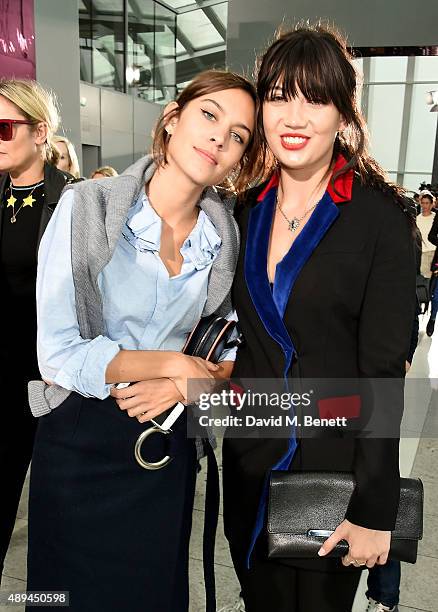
<point x="409" y="83"/>
<point x="204" y="5"/>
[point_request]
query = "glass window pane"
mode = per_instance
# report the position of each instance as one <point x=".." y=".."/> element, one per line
<point x="199" y="30"/>
<point x="108" y="44"/>
<point x="180" y="49"/>
<point x="221" y="12"/>
<point x="426" y="68"/>
<point x="388" y="69"/>
<point x="385" y="113"/>
<point x="165" y="65"/>
<point x="413" y="181"/>
<point x="85" y="43"/>
<point x="176" y="4"/>
<point x="199" y="44"/>
<point x="140" y="53"/>
<point x="422" y="132"/>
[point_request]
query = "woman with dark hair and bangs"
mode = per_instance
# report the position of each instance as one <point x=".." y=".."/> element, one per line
<point x="126" y="268"/>
<point x="324" y="289"/>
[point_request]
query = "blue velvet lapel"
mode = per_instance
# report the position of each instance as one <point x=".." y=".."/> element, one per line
<point x="256" y="276"/>
<point x="271" y="306"/>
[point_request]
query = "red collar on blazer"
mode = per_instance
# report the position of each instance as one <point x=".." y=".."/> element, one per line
<point x="342" y="188"/>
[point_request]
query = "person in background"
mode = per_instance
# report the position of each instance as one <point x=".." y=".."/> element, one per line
<point x="433" y="239"/>
<point x="68" y="160"/>
<point x="424" y="223"/>
<point x="30" y="185"/>
<point x="103" y="172"/>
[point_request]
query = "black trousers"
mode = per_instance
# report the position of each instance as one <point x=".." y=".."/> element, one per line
<point x="16" y="442"/>
<point x="272" y="586"/>
<point x="116" y="536"/>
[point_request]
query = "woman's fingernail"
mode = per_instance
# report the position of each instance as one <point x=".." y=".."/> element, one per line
<point x="321" y="552"/>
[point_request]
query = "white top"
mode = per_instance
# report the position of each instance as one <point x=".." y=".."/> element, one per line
<point x="424" y="224"/>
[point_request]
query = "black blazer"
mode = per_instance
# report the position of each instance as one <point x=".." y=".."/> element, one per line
<point x="350" y="315"/>
<point x="54" y="182"/>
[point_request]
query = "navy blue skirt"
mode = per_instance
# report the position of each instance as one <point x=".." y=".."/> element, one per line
<point x="116" y="536"/>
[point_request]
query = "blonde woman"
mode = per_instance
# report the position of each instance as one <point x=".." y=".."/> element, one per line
<point x="30" y="186"/>
<point x="68" y="160"/>
<point x="103" y="171"/>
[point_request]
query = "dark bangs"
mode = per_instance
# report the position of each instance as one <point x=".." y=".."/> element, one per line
<point x="307" y="60"/>
<point x="315" y="60"/>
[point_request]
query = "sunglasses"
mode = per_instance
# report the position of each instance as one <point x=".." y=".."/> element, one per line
<point x="6" y="125"/>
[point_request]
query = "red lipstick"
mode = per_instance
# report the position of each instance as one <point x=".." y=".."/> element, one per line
<point x="294" y="141"/>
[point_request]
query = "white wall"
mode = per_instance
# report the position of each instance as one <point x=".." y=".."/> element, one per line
<point x="57" y="59"/>
<point x="119" y="124"/>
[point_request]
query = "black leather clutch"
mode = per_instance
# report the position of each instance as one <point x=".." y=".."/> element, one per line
<point x="304" y="508"/>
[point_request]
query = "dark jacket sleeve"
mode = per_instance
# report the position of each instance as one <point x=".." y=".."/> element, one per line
<point x="433" y="234"/>
<point x="385" y="328"/>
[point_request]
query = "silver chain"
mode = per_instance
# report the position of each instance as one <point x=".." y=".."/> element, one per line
<point x="295" y="222"/>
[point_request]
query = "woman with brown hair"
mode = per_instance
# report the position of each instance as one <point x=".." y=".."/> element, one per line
<point x="324" y="289"/>
<point x="30" y="186"/>
<point x="139" y="258"/>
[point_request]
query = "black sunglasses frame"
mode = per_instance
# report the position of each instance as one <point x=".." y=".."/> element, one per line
<point x="6" y="127"/>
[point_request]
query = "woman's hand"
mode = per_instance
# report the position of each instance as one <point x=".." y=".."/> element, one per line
<point x="366" y="546"/>
<point x="192" y="368"/>
<point x="147" y="399"/>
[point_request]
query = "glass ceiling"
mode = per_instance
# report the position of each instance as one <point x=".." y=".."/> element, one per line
<point x="197" y="27"/>
<point x="168" y="42"/>
<point x="176" y="4"/>
<point x="221" y="12"/>
<point x="182" y="6"/>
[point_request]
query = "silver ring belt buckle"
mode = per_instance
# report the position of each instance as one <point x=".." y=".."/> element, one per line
<point x="151" y="465"/>
<point x="164" y="429"/>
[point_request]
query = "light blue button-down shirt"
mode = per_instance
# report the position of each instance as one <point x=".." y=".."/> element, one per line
<point x="143" y="308"/>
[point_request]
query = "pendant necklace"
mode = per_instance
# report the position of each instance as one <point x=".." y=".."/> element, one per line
<point x="28" y="201"/>
<point x="295" y="222"/>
